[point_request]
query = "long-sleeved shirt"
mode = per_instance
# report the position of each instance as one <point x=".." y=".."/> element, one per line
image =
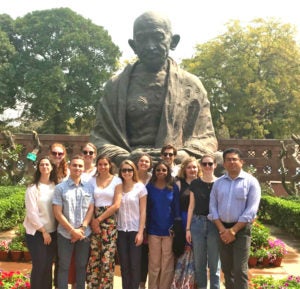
<point x="39" y="212"/>
<point x="235" y="200"/>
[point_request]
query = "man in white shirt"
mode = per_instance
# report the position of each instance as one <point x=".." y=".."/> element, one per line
<point x="168" y="154"/>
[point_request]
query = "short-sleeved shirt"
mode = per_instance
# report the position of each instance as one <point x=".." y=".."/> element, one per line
<point x="104" y="196"/>
<point x="129" y="212"/>
<point x="75" y="201"/>
<point x="201" y="191"/>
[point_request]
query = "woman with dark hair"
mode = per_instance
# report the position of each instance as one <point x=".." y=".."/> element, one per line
<point x="131" y="219"/>
<point x="40" y="223"/>
<point x="101" y="265"/>
<point x="162" y="213"/>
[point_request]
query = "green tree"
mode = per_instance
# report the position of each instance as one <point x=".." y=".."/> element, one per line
<point x="252" y="75"/>
<point x="63" y="62"/>
<point x="8" y="85"/>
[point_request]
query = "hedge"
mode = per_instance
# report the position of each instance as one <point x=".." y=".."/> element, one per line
<point x="12" y="206"/>
<point x="280" y="212"/>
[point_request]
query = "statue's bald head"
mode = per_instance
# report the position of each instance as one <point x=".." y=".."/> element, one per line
<point x="151" y="17"/>
<point x="152" y="39"/>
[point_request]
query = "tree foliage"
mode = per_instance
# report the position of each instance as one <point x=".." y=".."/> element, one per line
<point x="63" y="61"/>
<point x="252" y="75"/>
<point x="7" y="72"/>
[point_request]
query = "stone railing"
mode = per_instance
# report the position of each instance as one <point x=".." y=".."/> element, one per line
<point x="261" y="154"/>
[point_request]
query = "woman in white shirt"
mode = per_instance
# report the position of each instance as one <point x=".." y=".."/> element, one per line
<point x="101" y="265"/>
<point x="130" y="224"/>
<point x="40" y="223"/>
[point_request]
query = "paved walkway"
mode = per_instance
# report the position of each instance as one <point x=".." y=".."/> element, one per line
<point x="289" y="266"/>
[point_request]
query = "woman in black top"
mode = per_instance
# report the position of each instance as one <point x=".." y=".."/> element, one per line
<point x="189" y="171"/>
<point x="200" y="231"/>
<point x="184" y="271"/>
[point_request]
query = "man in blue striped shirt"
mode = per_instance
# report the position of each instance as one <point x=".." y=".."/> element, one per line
<point x="73" y="206"/>
<point x="234" y="202"/>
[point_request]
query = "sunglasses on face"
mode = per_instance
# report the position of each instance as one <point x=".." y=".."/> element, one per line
<point x="168" y="154"/>
<point x="55" y="154"/>
<point x="161" y="170"/>
<point x="205" y="164"/>
<point x="88" y="153"/>
<point x="126" y="170"/>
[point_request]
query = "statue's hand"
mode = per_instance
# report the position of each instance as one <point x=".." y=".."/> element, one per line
<point x="153" y="152"/>
<point x="181" y="155"/>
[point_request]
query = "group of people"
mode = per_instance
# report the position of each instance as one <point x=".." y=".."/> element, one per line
<point x="167" y="223"/>
<point x="85" y="212"/>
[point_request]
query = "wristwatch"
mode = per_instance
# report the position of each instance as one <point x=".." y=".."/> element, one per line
<point x="83" y="227"/>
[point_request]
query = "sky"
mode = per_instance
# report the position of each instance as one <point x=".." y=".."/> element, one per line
<point x="196" y="21"/>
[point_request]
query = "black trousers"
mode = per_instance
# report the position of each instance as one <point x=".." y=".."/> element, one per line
<point x="42" y="259"/>
<point x="130" y="259"/>
<point x="234" y="259"/>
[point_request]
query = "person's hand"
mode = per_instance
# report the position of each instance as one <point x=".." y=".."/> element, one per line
<point x="76" y="235"/>
<point x="95" y="226"/>
<point x="188" y="236"/>
<point x="227" y="237"/>
<point x="139" y="239"/>
<point x="47" y="238"/>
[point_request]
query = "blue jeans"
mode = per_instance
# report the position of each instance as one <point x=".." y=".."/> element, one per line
<point x="42" y="259"/>
<point x="65" y="251"/>
<point x="205" y="242"/>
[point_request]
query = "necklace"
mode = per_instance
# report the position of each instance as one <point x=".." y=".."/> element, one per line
<point x="209" y="185"/>
<point x="209" y="182"/>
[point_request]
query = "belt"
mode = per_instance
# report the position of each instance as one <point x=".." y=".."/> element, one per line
<point x="228" y="225"/>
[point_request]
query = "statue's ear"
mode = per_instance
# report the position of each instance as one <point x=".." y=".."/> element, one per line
<point x="131" y="43"/>
<point x="175" y="41"/>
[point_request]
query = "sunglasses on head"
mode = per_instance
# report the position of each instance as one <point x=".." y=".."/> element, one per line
<point x="161" y="170"/>
<point x="88" y="153"/>
<point x="205" y="164"/>
<point x="55" y="154"/>
<point x="168" y="154"/>
<point x="126" y="170"/>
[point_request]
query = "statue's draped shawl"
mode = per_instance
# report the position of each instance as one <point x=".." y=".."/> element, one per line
<point x="185" y="121"/>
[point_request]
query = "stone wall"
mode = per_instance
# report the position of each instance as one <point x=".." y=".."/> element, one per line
<point x="261" y="154"/>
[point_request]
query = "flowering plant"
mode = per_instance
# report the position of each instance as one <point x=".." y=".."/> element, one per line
<point x="14" y="280"/>
<point x="4" y="245"/>
<point x="261" y="282"/>
<point x="277" y="248"/>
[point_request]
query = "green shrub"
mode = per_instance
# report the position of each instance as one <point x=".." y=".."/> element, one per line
<point x="12" y="206"/>
<point x="280" y="212"/>
<point x="259" y="235"/>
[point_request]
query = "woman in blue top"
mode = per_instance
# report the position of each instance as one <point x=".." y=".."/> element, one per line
<point x="162" y="211"/>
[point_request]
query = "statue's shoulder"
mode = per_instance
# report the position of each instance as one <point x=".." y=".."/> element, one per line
<point x="186" y="77"/>
<point x="120" y="77"/>
<point x="124" y="73"/>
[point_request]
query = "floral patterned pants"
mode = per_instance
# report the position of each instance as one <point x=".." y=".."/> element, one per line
<point x="101" y="265"/>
